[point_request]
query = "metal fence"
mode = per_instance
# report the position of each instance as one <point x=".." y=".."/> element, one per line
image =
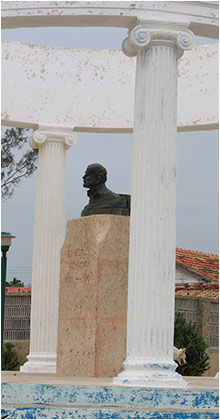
<point x="18" y="312"/>
<point x="214" y="325"/>
<point x="204" y="314"/>
<point x="17" y="317"/>
<point x="189" y="309"/>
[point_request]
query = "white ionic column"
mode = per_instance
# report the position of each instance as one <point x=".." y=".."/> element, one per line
<point x="48" y="238"/>
<point x="151" y="282"/>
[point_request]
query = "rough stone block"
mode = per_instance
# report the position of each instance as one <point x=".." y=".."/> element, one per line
<point x="93" y="296"/>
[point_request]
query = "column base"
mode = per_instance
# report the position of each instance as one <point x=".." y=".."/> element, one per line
<point x="153" y="374"/>
<point x="40" y="362"/>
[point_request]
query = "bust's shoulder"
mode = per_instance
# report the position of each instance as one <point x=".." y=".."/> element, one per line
<point x="106" y="191"/>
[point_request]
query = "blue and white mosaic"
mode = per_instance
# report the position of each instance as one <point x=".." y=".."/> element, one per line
<point x="100" y="402"/>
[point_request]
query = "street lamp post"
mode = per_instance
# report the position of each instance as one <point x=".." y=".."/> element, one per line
<point x="6" y="238"/>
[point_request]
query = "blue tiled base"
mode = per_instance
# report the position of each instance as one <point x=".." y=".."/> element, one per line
<point x="104" y="413"/>
<point x="33" y="401"/>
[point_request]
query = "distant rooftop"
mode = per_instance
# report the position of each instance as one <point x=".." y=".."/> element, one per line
<point x="202" y="265"/>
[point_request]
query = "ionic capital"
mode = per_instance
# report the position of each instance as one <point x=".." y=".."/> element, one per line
<point x="147" y="34"/>
<point x="48" y="134"/>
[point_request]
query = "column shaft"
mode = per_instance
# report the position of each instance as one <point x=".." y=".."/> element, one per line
<point x="152" y="235"/>
<point x="48" y="238"/>
<point x="151" y="280"/>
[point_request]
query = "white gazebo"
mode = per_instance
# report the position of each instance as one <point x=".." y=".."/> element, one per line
<point x="39" y="91"/>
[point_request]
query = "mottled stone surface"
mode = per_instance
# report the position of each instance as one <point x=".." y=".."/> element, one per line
<point x="75" y="81"/>
<point x="93" y="296"/>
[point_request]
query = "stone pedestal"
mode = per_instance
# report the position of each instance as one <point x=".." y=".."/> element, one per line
<point x="93" y="296"/>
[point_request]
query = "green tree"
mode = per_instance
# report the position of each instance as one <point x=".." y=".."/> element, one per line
<point x="187" y="335"/>
<point x="14" y="283"/>
<point x="9" y="357"/>
<point x="14" y="168"/>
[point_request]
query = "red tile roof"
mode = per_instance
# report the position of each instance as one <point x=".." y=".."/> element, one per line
<point x="205" y="267"/>
<point x="17" y="290"/>
<point x="197" y="290"/>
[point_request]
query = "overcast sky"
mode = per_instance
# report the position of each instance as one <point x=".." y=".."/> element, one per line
<point x="197" y="166"/>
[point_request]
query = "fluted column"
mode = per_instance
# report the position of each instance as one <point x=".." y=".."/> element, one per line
<point x="48" y="238"/>
<point x="151" y="283"/>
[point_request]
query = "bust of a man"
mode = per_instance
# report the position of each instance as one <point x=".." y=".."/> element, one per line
<point x="101" y="199"/>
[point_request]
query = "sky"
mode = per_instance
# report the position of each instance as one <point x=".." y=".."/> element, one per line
<point x="197" y="165"/>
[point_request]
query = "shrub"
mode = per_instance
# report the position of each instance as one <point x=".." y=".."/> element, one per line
<point x="9" y="357"/>
<point x="187" y="335"/>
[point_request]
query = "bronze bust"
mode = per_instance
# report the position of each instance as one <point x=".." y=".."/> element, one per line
<point x="101" y="199"/>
